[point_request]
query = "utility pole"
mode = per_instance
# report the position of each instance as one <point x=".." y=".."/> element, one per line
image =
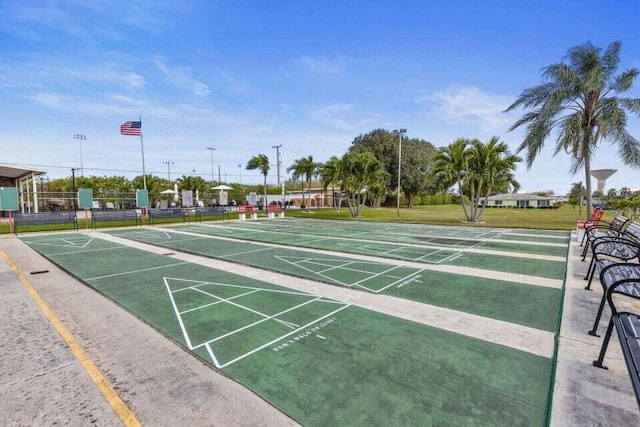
<point x="277" y="147"/>
<point x="168" y="163"/>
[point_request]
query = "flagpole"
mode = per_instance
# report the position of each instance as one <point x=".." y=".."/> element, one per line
<point x="144" y="174"/>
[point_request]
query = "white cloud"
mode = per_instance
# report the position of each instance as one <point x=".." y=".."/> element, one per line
<point x="342" y="116"/>
<point x="320" y="65"/>
<point x="465" y="105"/>
<point x="181" y="77"/>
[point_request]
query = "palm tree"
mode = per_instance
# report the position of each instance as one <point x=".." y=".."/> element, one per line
<point x="478" y="169"/>
<point x="576" y="195"/>
<point x="260" y="162"/>
<point x="578" y="101"/>
<point x="330" y="174"/>
<point x="450" y="166"/>
<point x="359" y="172"/>
<point x="305" y="169"/>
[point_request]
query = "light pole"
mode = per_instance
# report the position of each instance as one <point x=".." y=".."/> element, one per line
<point x="168" y="163"/>
<point x="400" y="133"/>
<point x="80" y="137"/>
<point x="240" y="173"/>
<point x="277" y="147"/>
<point x="212" y="150"/>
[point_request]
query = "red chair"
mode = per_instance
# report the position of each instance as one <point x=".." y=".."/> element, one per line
<point x="582" y="225"/>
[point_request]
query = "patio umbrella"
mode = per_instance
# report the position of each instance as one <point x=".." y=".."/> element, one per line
<point x="222" y="187"/>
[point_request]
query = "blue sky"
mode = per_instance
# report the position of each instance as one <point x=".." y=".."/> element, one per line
<point x="243" y="76"/>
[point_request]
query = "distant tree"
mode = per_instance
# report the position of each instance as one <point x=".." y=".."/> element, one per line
<point x="261" y="163"/>
<point x="305" y="169"/>
<point x="416" y="158"/>
<point x="577" y="100"/>
<point x="193" y="183"/>
<point x="577" y="195"/>
<point x="330" y="175"/>
<point x="612" y="193"/>
<point x="358" y="172"/>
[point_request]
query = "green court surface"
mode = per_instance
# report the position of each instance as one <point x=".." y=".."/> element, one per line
<point x="447" y="255"/>
<point x="514" y="302"/>
<point x="322" y="362"/>
<point x="513" y="240"/>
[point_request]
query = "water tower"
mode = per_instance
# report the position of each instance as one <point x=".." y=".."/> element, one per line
<point x="601" y="175"/>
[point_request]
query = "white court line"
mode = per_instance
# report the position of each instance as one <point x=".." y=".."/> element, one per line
<point x="85" y="251"/>
<point x="217" y="302"/>
<point x="397" y="281"/>
<point x="213" y="357"/>
<point x="256" y="323"/>
<point x="200" y="282"/>
<point x="314" y="272"/>
<point x="137" y="271"/>
<point x="175" y="309"/>
<point x="335" y="267"/>
<point x="378" y="274"/>
<point x="232" y="303"/>
<point x="246" y="252"/>
<point x="282" y="337"/>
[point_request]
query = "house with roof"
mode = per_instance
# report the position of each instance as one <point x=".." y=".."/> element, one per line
<point x="520" y="201"/>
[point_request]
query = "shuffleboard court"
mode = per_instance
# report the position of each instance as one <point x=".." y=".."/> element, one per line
<point x="519" y="240"/>
<point x="322" y="362"/>
<point x="511" y="301"/>
<point x="548" y="266"/>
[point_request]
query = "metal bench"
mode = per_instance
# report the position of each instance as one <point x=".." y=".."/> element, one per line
<point x="627" y="324"/>
<point x="619" y="278"/>
<point x="608" y="250"/>
<point x="45" y="218"/>
<point x="603" y="229"/>
<point x="211" y="211"/>
<point x="110" y="216"/>
<point x="156" y="214"/>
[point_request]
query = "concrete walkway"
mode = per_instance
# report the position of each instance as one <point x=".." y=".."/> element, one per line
<point x="42" y="383"/>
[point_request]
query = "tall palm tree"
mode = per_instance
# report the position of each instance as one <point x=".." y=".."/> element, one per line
<point x="579" y="101"/>
<point x="330" y="175"/>
<point x="261" y="163"/>
<point x="305" y="169"/>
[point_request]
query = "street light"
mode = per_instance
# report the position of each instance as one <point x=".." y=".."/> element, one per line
<point x="400" y="133"/>
<point x="240" y="173"/>
<point x="211" y="149"/>
<point x="80" y="137"/>
<point x="168" y="163"/>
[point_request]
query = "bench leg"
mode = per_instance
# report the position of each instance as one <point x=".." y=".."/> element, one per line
<point x="585" y="250"/>
<point x="590" y="273"/>
<point x="605" y="344"/>
<point x="595" y="324"/>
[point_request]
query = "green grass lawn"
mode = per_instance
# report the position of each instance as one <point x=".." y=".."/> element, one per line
<point x="563" y="218"/>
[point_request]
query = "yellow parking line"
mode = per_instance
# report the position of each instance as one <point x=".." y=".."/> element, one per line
<point x="120" y="408"/>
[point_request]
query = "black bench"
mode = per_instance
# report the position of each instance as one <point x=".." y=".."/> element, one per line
<point x="609" y="250"/>
<point x="602" y="229"/>
<point x="155" y="214"/>
<point x="110" y="216"/>
<point x="211" y="211"/>
<point x="627" y="326"/>
<point x="45" y="218"/>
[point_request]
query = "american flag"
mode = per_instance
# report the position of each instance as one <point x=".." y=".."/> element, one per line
<point x="131" y="128"/>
